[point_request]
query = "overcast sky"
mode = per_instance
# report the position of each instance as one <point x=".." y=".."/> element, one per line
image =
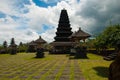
<point x="25" y="20"/>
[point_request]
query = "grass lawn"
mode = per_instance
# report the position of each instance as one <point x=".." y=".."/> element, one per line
<point x="24" y="66"/>
<point x="94" y="68"/>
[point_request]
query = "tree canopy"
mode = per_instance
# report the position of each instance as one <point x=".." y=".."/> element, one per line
<point x="110" y="37"/>
<point x="5" y="44"/>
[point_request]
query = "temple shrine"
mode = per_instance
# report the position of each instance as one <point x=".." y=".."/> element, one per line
<point x="33" y="45"/>
<point x="62" y="41"/>
<point x="79" y="35"/>
<point x="65" y="39"/>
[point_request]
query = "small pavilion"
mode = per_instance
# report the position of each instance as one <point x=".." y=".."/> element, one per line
<point x="33" y="45"/>
<point x="79" y="35"/>
<point x="79" y="51"/>
<point x="40" y="42"/>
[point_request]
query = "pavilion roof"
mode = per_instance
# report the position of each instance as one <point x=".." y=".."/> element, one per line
<point x="32" y="43"/>
<point x="80" y="34"/>
<point x="40" y="40"/>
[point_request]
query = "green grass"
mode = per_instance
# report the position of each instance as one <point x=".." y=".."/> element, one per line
<point x="24" y="66"/>
<point x="95" y="68"/>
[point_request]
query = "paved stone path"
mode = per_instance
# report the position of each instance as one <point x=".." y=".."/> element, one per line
<point x="52" y="67"/>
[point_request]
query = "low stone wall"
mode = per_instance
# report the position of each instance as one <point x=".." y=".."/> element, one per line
<point x="102" y="52"/>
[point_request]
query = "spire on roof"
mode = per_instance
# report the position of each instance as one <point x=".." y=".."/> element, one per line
<point x="64" y="9"/>
<point x="80" y="34"/>
<point x="40" y="40"/>
<point x="39" y="37"/>
<point x="79" y="28"/>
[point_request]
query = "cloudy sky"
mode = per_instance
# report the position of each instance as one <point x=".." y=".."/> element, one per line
<point x="25" y="20"/>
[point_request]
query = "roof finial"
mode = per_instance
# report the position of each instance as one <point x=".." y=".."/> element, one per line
<point x="40" y="37"/>
<point x="64" y="9"/>
<point x="79" y="28"/>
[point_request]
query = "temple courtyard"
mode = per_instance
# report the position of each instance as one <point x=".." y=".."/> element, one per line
<point x="23" y="66"/>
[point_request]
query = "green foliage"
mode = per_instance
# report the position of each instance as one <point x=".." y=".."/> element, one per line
<point x="90" y="43"/>
<point x="13" y="47"/>
<point x="22" y="47"/>
<point x="47" y="46"/>
<point x="109" y="37"/>
<point x="1" y="47"/>
<point x="5" y="44"/>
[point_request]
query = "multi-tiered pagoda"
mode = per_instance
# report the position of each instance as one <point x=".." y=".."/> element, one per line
<point x="62" y="41"/>
<point x="64" y="29"/>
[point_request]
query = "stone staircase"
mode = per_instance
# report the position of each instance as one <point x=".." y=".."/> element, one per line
<point x="110" y="57"/>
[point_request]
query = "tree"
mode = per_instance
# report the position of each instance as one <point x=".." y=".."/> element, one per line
<point x="110" y="37"/>
<point x="5" y="44"/>
<point x="13" y="47"/>
<point x="22" y="47"/>
<point x="21" y="44"/>
<point x="4" y="50"/>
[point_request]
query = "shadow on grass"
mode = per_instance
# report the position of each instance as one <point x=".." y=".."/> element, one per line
<point x="101" y="71"/>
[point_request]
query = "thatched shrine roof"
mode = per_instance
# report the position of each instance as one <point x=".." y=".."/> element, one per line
<point x="32" y="43"/>
<point x="80" y="34"/>
<point x="40" y="40"/>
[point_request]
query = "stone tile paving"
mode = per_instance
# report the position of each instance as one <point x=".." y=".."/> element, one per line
<point x="52" y="67"/>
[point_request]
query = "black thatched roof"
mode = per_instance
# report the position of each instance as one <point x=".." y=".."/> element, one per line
<point x="80" y="34"/>
<point x="40" y="40"/>
<point x="32" y="43"/>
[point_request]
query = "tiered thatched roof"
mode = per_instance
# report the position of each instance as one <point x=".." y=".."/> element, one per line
<point x="80" y="34"/>
<point x="40" y="40"/>
<point x="32" y="43"/>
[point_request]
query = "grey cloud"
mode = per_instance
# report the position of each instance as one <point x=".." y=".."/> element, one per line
<point x="103" y="11"/>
